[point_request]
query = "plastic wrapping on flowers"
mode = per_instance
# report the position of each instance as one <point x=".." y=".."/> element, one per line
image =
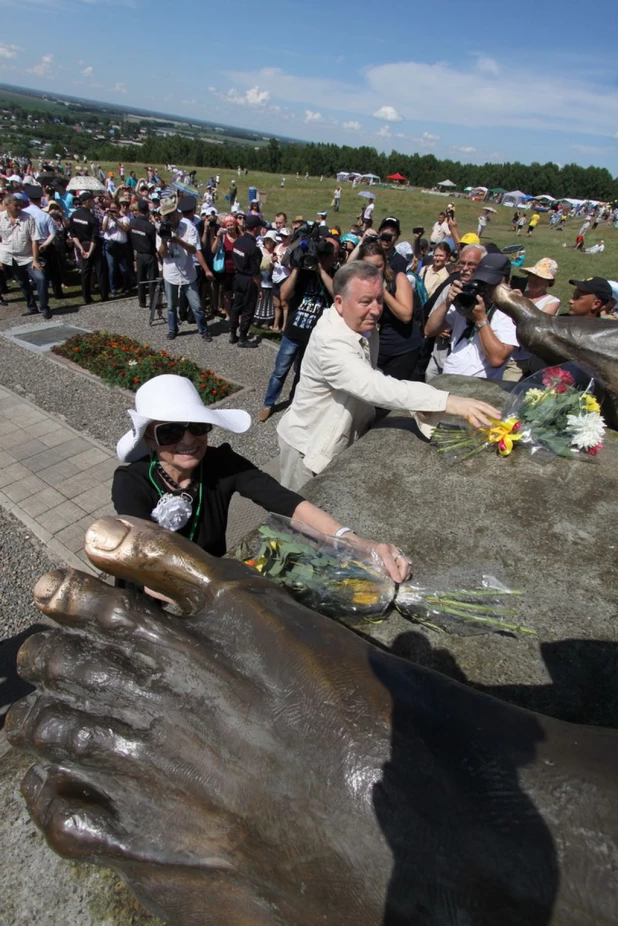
<point x="553" y="410"/>
<point x="341" y="579"/>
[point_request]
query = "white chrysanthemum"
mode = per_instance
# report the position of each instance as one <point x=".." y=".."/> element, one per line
<point x="587" y="430"/>
<point x="132" y="363"/>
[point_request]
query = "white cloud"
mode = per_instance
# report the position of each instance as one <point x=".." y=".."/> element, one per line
<point x="119" y="88"/>
<point x="387" y="112"/>
<point x="427" y="136"/>
<point x="464" y="149"/>
<point x="590" y="149"/>
<point x="312" y="117"/>
<point x="43" y="68"/>
<point x="486" y="65"/>
<point x="8" y="51"/>
<point x="88" y="72"/>
<point x="454" y="94"/>
<point x="188" y="102"/>
<point x="253" y="97"/>
<point x="352" y="126"/>
<point x="384" y="132"/>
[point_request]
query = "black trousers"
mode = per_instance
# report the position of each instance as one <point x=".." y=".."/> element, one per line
<point x="147" y="271"/>
<point x="95" y="263"/>
<point x="243" y="306"/>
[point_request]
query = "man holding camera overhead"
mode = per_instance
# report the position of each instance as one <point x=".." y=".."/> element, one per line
<point x="482" y="337"/>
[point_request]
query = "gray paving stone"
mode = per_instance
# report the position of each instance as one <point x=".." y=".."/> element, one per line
<point x="39" y="502"/>
<point x="28" y="486"/>
<point x="13" y="473"/>
<point x="58" y="436"/>
<point x="29" y="449"/>
<point x="6" y="458"/>
<point x="75" y="483"/>
<point x="59" y="517"/>
<point x="44" y="460"/>
<point x="92" y="499"/>
<point x="61" y="473"/>
<point x="89" y="458"/>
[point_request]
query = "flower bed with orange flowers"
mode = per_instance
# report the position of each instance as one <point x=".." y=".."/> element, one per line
<point x="121" y="361"/>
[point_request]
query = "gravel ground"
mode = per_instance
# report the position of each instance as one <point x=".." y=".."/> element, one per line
<point x="100" y="411"/>
<point x="23" y="560"/>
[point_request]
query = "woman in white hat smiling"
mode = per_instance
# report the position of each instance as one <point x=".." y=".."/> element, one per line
<point x="176" y="479"/>
<point x="541" y="277"/>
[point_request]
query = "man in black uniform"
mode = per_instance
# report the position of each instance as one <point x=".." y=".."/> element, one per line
<point x="142" y="235"/>
<point x="84" y="230"/>
<point x="247" y="259"/>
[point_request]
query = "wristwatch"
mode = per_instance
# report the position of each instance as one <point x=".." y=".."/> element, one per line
<point x="477" y="328"/>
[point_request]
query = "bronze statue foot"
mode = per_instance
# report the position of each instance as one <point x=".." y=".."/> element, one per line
<point x="255" y="763"/>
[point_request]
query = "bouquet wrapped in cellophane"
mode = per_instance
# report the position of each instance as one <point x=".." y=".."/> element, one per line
<point x="552" y="410"/>
<point x="341" y="579"/>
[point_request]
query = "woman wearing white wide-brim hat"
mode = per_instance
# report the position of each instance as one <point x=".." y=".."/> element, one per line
<point x="174" y="477"/>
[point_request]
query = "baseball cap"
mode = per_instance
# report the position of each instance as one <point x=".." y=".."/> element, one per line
<point x="492" y="268"/>
<point x="33" y="191"/>
<point x="390" y="222"/>
<point x="470" y="238"/>
<point x="598" y="286"/>
<point x="86" y="196"/>
<point x="284" y="232"/>
<point x="254" y="221"/>
<point x="187" y="203"/>
<point x="323" y="214"/>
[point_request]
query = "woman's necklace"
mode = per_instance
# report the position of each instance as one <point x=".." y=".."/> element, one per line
<point x="173" y="511"/>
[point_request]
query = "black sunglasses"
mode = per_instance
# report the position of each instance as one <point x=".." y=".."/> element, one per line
<point x="170" y="432"/>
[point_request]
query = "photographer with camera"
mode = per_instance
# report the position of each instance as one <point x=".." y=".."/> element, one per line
<point x="482" y="337"/>
<point x="307" y="291"/>
<point x="177" y="241"/>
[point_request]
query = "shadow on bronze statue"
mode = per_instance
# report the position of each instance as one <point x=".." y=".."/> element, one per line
<point x="583" y="674"/>
<point x="476" y="842"/>
<point x="12" y="687"/>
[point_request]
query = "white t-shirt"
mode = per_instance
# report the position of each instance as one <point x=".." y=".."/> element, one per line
<point x="179" y="268"/>
<point x="467" y="357"/>
<point x="368" y="211"/>
<point x="439" y="232"/>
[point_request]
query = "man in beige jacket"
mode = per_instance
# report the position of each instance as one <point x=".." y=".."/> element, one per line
<point x="340" y="386"/>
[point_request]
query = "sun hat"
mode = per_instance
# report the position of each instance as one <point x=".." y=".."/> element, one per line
<point x="169" y="204"/>
<point x="172" y="398"/>
<point x="272" y="235"/>
<point x="546" y="268"/>
<point x="470" y="238"/>
<point x="405" y="249"/>
<point x="614" y="288"/>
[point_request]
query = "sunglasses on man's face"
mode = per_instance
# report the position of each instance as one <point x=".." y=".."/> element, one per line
<point x="170" y="432"/>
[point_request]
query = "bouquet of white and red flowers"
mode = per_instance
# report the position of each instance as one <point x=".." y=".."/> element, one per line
<point x="553" y="410"/>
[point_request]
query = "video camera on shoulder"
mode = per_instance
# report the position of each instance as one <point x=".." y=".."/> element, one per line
<point x="307" y="246"/>
<point x="465" y="301"/>
<point x="165" y="230"/>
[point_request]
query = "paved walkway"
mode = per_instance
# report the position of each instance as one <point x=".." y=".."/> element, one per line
<point x="57" y="481"/>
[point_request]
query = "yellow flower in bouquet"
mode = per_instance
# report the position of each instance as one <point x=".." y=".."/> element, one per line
<point x="589" y="403"/>
<point x="504" y="434"/>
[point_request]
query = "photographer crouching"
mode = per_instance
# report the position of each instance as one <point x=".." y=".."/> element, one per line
<point x="308" y="291"/>
<point x="482" y="337"/>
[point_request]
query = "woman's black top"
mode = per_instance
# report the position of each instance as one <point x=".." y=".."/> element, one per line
<point x="223" y="472"/>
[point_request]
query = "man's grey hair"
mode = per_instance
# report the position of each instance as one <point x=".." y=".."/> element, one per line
<point x="474" y="247"/>
<point x="355" y="270"/>
<point x="12" y="198"/>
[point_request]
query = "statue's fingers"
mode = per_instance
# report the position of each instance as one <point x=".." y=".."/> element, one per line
<point x="74" y="818"/>
<point x="76" y="666"/>
<point x="149" y="555"/>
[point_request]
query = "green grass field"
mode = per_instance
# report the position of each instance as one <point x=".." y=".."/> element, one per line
<point x="414" y="208"/>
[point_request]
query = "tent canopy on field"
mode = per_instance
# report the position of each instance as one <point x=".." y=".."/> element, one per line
<point x="448" y="183"/>
<point x="398" y="178"/>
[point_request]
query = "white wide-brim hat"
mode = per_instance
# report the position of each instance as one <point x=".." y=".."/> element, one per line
<point x="172" y="398"/>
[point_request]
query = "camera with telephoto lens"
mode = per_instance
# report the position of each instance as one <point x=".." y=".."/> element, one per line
<point x="419" y="230"/>
<point x="465" y="301"/>
<point x="165" y="230"/>
<point x="307" y="246"/>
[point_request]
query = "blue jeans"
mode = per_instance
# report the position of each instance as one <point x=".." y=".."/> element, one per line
<point x="191" y="291"/>
<point x="116" y="263"/>
<point x="29" y="278"/>
<point x="290" y="352"/>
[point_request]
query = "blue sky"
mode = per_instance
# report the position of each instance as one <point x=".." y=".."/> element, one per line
<point x="478" y="81"/>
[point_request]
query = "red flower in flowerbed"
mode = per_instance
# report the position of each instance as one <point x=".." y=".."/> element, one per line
<point x="121" y="361"/>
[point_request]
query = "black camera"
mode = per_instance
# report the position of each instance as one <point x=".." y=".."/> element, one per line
<point x="165" y="230"/>
<point x="307" y="246"/>
<point x="465" y="301"/>
<point x="450" y="213"/>
<point x="419" y="230"/>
